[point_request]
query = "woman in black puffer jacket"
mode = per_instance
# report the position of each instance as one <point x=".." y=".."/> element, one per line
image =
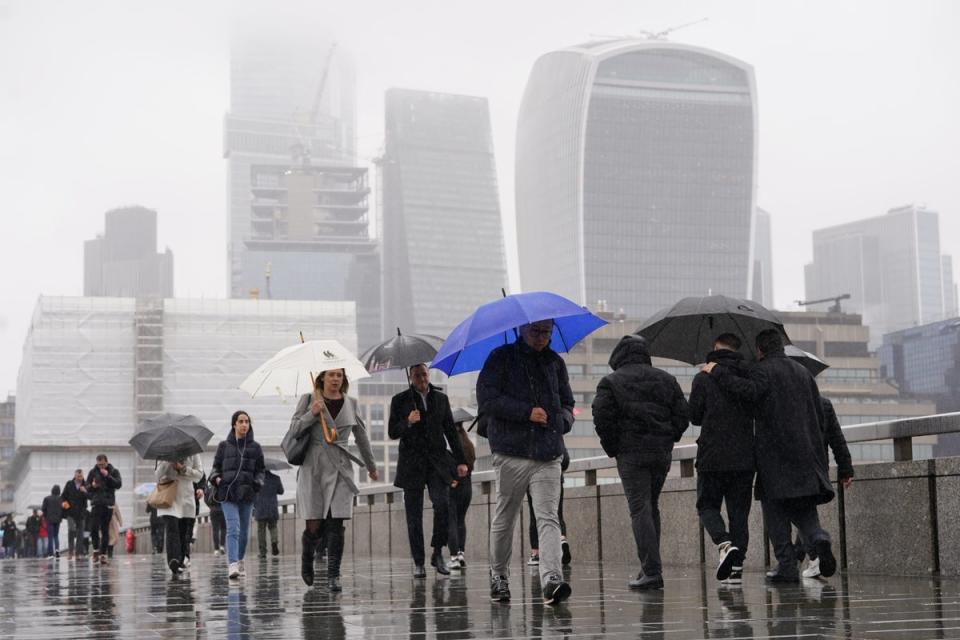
<point x="237" y="475"/>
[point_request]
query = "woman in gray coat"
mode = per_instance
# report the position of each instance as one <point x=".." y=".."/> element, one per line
<point x="325" y="487"/>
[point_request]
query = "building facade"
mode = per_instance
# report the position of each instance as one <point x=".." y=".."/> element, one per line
<point x="123" y="262"/>
<point x="7" y="450"/>
<point x="762" y="289"/>
<point x="925" y="362"/>
<point x="636" y="174"/>
<point x="443" y="251"/>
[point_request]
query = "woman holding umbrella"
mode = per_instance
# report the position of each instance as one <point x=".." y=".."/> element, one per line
<point x="177" y="517"/>
<point x="325" y="487"/>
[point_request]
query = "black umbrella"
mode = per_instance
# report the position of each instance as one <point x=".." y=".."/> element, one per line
<point x="812" y="363"/>
<point x="464" y="414"/>
<point x="276" y="464"/>
<point x="400" y="352"/>
<point x="170" y="436"/>
<point x="686" y="331"/>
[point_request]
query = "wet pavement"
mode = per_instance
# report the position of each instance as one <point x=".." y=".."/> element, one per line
<point x="136" y="598"/>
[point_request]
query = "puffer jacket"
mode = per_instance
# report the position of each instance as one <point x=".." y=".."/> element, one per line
<point x="240" y="468"/>
<point x="726" y="434"/>
<point x="638" y="409"/>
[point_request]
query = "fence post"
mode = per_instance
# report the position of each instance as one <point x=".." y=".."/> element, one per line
<point x="903" y="449"/>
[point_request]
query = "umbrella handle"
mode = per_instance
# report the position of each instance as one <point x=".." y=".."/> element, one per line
<point x="329" y="435"/>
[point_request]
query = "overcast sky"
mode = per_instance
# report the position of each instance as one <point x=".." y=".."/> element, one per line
<point x="110" y="103"/>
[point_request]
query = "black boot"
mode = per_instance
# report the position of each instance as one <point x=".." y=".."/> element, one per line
<point x="335" y="535"/>
<point x="275" y="549"/>
<point x="438" y="562"/>
<point x="309" y="543"/>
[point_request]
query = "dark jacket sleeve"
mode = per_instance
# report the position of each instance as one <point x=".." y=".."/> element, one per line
<point x="451" y="434"/>
<point x="398" y="426"/>
<point x="217" y="469"/>
<point x="566" y="394"/>
<point x="679" y="412"/>
<point x="751" y="388"/>
<point x="113" y="480"/>
<point x="605" y="413"/>
<point x="836" y="441"/>
<point x="698" y="398"/>
<point x="491" y="386"/>
<point x="259" y="471"/>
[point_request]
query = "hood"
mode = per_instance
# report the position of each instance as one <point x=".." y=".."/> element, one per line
<point x="55" y="491"/>
<point x="631" y="349"/>
<point x="725" y="356"/>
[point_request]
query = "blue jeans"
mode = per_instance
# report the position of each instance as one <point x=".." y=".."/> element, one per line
<point x="237" y="515"/>
<point x="53" y="538"/>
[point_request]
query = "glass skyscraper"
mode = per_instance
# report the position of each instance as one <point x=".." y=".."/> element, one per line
<point x="635" y="174"/>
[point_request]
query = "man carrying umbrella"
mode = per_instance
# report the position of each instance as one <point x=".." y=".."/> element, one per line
<point x="421" y="419"/>
<point x="525" y="398"/>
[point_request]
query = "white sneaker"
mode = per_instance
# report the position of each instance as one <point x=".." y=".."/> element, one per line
<point x="243" y="569"/>
<point x="234" y="571"/>
<point x="728" y="555"/>
<point x="813" y="569"/>
<point x="463" y="563"/>
<point x="534" y="560"/>
<point x="186" y="561"/>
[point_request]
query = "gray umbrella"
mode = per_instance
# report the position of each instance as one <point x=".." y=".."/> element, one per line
<point x="686" y="331"/>
<point x="812" y="363"/>
<point x="400" y="352"/>
<point x="276" y="464"/>
<point x="170" y="436"/>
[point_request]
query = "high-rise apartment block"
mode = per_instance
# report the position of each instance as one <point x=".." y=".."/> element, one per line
<point x="123" y="262"/>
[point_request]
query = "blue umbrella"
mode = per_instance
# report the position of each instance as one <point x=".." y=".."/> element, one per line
<point x="495" y="323"/>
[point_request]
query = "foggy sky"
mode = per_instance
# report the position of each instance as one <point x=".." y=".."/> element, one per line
<point x="104" y="104"/>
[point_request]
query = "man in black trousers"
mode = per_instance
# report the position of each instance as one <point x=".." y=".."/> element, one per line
<point x="790" y="451"/>
<point x="421" y="419"/>
<point x="725" y="464"/>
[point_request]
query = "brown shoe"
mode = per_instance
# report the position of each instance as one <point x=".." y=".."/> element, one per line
<point x="104" y="559"/>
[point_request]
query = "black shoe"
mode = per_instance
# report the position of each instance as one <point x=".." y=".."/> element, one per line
<point x="419" y="571"/>
<point x="555" y="591"/>
<point x="565" y="556"/>
<point x="334" y="585"/>
<point x="828" y="563"/>
<point x="646" y="583"/>
<point x="309" y="543"/>
<point x="499" y="589"/>
<point x="175" y="567"/>
<point x="778" y="577"/>
<point x="439" y="563"/>
<point x="262" y="555"/>
<point x="274" y="549"/>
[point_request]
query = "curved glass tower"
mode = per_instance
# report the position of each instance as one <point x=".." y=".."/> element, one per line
<point x="635" y="174"/>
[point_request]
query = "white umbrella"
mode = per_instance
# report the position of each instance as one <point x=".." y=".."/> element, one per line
<point x="289" y="372"/>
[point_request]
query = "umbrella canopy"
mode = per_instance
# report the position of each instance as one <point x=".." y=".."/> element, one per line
<point x="276" y="464"/>
<point x="400" y="352"/>
<point x="170" y="436"/>
<point x="686" y="331"/>
<point x="812" y="363"/>
<point x="144" y="489"/>
<point x="495" y="323"/>
<point x="464" y="414"/>
<point x="289" y="372"/>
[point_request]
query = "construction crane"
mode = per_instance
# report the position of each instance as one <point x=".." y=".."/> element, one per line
<point x="302" y="150"/>
<point x="649" y="35"/>
<point x="834" y="308"/>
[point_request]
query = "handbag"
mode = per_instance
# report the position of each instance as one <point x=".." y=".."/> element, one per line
<point x="163" y="495"/>
<point x="295" y="447"/>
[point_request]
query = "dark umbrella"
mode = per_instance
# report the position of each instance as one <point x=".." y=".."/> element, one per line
<point x="276" y="464"/>
<point x="463" y="414"/>
<point x="400" y="352"/>
<point x="686" y="331"/>
<point x="812" y="363"/>
<point x="171" y="437"/>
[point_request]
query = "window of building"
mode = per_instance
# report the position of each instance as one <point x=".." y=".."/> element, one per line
<point x="845" y="350"/>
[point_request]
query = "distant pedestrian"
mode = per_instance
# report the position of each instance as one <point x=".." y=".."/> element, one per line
<point x="790" y="451"/>
<point x="237" y="475"/>
<point x="32" y="537"/>
<point x="639" y="413"/>
<point x="42" y="539"/>
<point x="525" y="398"/>
<point x="267" y="513"/>
<point x="177" y="516"/>
<point x="157" y="528"/>
<point x="75" y="512"/>
<point x="421" y="419"/>
<point x="325" y="487"/>
<point x="218" y="526"/>
<point x="565" y="555"/>
<point x="460" y="498"/>
<point x="725" y="459"/>
<point x="53" y="514"/>
<point x="102" y="484"/>
<point x="9" y="531"/>
<point x="199" y="489"/>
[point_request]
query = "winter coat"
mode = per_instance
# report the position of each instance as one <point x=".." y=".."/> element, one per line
<point x="239" y="466"/>
<point x="9" y="529"/>
<point x="638" y="409"/>
<point x="791" y="452"/>
<point x="837" y="443"/>
<point x="265" y="504"/>
<point x="514" y="380"/>
<point x="32" y="527"/>
<point x="184" y="506"/>
<point x="325" y="480"/>
<point x="423" y="446"/>
<point x="53" y="507"/>
<point x="102" y="489"/>
<point x="77" y="500"/>
<point x="726" y="434"/>
<point x="44" y="531"/>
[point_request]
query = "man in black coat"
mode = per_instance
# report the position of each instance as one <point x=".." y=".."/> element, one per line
<point x="75" y="512"/>
<point x="102" y="484"/>
<point x="725" y="464"/>
<point x="421" y="419"/>
<point x="639" y="412"/>
<point x="790" y="450"/>
<point x="267" y="512"/>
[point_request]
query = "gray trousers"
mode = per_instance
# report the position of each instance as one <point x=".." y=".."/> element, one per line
<point x="515" y="476"/>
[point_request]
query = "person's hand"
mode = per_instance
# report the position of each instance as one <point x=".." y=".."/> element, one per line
<point x="199" y="494"/>
<point x="847" y="482"/>
<point x="454" y="484"/>
<point x="316" y="407"/>
<point x="103" y="472"/>
<point x="216" y="481"/>
<point x="374" y="475"/>
<point x="707" y="368"/>
<point x="83" y="489"/>
<point x="462" y="470"/>
<point x="538" y="415"/>
<point x="414" y="417"/>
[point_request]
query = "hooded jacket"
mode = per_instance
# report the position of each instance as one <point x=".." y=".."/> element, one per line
<point x="53" y="507"/>
<point x="726" y="434"/>
<point x="240" y="467"/>
<point x="265" y="505"/>
<point x="638" y="409"/>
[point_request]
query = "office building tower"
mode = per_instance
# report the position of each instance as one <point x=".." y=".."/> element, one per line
<point x="762" y="290"/>
<point x="123" y="262"/>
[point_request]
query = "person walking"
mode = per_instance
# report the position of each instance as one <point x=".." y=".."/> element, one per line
<point x="725" y="462"/>
<point x="421" y="419"/>
<point x="460" y="498"/>
<point x="218" y="525"/>
<point x="157" y="527"/>
<point x="42" y="538"/>
<point x="790" y="451"/>
<point x="75" y="513"/>
<point x="9" y="532"/>
<point x="639" y="412"/>
<point x="102" y="484"/>
<point x="116" y="521"/>
<point x="53" y="514"/>
<point x="176" y="517"/>
<point x="524" y="397"/>
<point x="198" y="494"/>
<point x="32" y="534"/>
<point x="325" y="487"/>
<point x="267" y="513"/>
<point x="238" y="469"/>
<point x="565" y="556"/>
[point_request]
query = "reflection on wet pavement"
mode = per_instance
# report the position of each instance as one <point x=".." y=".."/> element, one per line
<point x="136" y="598"/>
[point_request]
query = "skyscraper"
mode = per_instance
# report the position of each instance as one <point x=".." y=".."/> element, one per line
<point x="890" y="265"/>
<point x="635" y="174"/>
<point x="762" y="290"/>
<point x="442" y="233"/>
<point x="123" y="262"/>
